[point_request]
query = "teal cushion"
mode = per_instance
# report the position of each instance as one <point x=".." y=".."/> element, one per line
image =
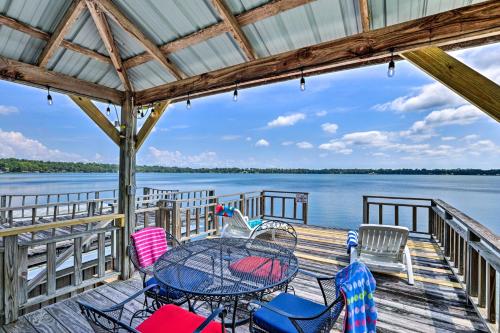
<point x="253" y="223"/>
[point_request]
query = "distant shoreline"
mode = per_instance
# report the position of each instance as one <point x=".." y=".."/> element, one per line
<point x="12" y="165"/>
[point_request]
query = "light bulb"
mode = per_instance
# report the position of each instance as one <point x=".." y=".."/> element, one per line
<point x="235" y="95"/>
<point x="49" y="97"/>
<point x="188" y="104"/>
<point x="302" y="83"/>
<point x="391" y="70"/>
<point x="108" y="111"/>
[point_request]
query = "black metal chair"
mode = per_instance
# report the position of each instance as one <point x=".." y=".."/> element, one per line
<point x="278" y="232"/>
<point x="158" y="296"/>
<point x="290" y="313"/>
<point x="110" y="319"/>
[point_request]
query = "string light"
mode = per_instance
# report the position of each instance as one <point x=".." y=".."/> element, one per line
<point x="235" y="93"/>
<point x="302" y="81"/>
<point x="391" y="70"/>
<point x="49" y="97"/>
<point x="188" y="102"/>
<point x="108" y="109"/>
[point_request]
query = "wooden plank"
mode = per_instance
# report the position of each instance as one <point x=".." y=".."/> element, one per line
<point x="150" y="123"/>
<point x="365" y="15"/>
<point x="77" y="265"/>
<point x="97" y="117"/>
<point x="452" y="27"/>
<point x="51" y="268"/>
<point x="472" y="86"/>
<point x="58" y="224"/>
<point x="71" y="15"/>
<point x="264" y="11"/>
<point x="233" y="26"/>
<point x="20" y="326"/>
<point x="104" y="30"/>
<point x="11" y="279"/>
<point x="44" y="322"/>
<point x="114" y="12"/>
<point x="23" y="274"/>
<point x="72" y="320"/>
<point x="12" y="70"/>
<point x="40" y="34"/>
<point x="101" y="255"/>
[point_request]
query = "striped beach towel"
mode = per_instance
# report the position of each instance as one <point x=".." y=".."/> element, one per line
<point x="352" y="240"/>
<point x="150" y="243"/>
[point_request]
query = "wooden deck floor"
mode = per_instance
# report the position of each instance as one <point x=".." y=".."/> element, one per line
<point x="434" y="304"/>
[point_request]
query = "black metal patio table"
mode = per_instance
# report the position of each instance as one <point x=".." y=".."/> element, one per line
<point x="226" y="271"/>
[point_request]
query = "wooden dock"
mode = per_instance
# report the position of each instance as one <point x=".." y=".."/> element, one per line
<point x="436" y="303"/>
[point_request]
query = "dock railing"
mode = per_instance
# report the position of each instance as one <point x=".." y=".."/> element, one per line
<point x="62" y="258"/>
<point x="470" y="249"/>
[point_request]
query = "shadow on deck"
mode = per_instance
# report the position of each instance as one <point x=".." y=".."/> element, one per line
<point x="436" y="303"/>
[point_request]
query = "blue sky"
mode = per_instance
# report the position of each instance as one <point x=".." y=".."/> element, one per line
<point x="352" y="119"/>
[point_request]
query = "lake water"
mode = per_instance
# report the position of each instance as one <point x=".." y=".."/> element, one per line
<point x="335" y="200"/>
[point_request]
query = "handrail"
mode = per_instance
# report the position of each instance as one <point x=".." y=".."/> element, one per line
<point x="60" y="224"/>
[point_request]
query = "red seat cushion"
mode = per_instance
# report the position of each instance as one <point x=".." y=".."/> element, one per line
<point x="172" y="318"/>
<point x="259" y="267"/>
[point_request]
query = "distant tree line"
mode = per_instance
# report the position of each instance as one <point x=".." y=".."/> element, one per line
<point x="20" y="165"/>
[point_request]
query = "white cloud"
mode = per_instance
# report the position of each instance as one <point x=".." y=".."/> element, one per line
<point x="286" y="120"/>
<point x="379" y="154"/>
<point x="432" y="95"/>
<point x="448" y="138"/>
<point x="287" y="143"/>
<point x="262" y="143"/>
<point x="15" y="144"/>
<point x="330" y="127"/>
<point x="321" y="113"/>
<point x="471" y="137"/>
<point x="230" y="137"/>
<point x="248" y="138"/>
<point x="304" y="145"/>
<point x="5" y="110"/>
<point x="176" y="158"/>
<point x="336" y="146"/>
<point x="368" y="138"/>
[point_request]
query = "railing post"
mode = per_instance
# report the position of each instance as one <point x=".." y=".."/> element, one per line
<point x="11" y="279"/>
<point x="242" y="204"/>
<point x="472" y="265"/>
<point x="176" y="220"/>
<point x="365" y="209"/>
<point x="262" y="204"/>
<point x="3" y="204"/>
<point x="305" y="210"/>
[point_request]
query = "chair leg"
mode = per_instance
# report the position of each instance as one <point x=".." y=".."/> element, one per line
<point x="409" y="267"/>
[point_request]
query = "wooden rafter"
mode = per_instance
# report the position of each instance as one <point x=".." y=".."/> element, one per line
<point x="233" y="26"/>
<point x="474" y="87"/>
<point x="97" y="117"/>
<point x="71" y="15"/>
<point x="107" y="37"/>
<point x="16" y="71"/>
<point x="149" y="124"/>
<point x="115" y="13"/>
<point x="365" y="15"/>
<point x="269" y="9"/>
<point x="40" y="34"/>
<point x="458" y="26"/>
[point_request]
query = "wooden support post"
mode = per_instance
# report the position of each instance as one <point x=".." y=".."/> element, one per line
<point x="242" y="205"/>
<point x="472" y="86"/>
<point x="262" y="204"/>
<point x="127" y="185"/>
<point x="3" y="204"/>
<point x="11" y="279"/>
<point x="396" y="215"/>
<point x="414" y="215"/>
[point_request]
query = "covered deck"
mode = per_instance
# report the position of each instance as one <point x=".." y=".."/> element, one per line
<point x="436" y="303"/>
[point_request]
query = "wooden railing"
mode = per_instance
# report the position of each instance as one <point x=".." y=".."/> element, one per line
<point x="194" y="217"/>
<point x="470" y="249"/>
<point x="54" y="264"/>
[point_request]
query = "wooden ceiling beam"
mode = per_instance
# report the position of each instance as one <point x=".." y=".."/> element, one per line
<point x="457" y="26"/>
<point x="233" y="26"/>
<point x="364" y="12"/>
<point x="107" y="37"/>
<point x="40" y="34"/>
<point x="150" y="123"/>
<point x="466" y="82"/>
<point x="97" y="117"/>
<point x="154" y="51"/>
<point x="71" y="15"/>
<point x="16" y="71"/>
<point x="269" y="9"/>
